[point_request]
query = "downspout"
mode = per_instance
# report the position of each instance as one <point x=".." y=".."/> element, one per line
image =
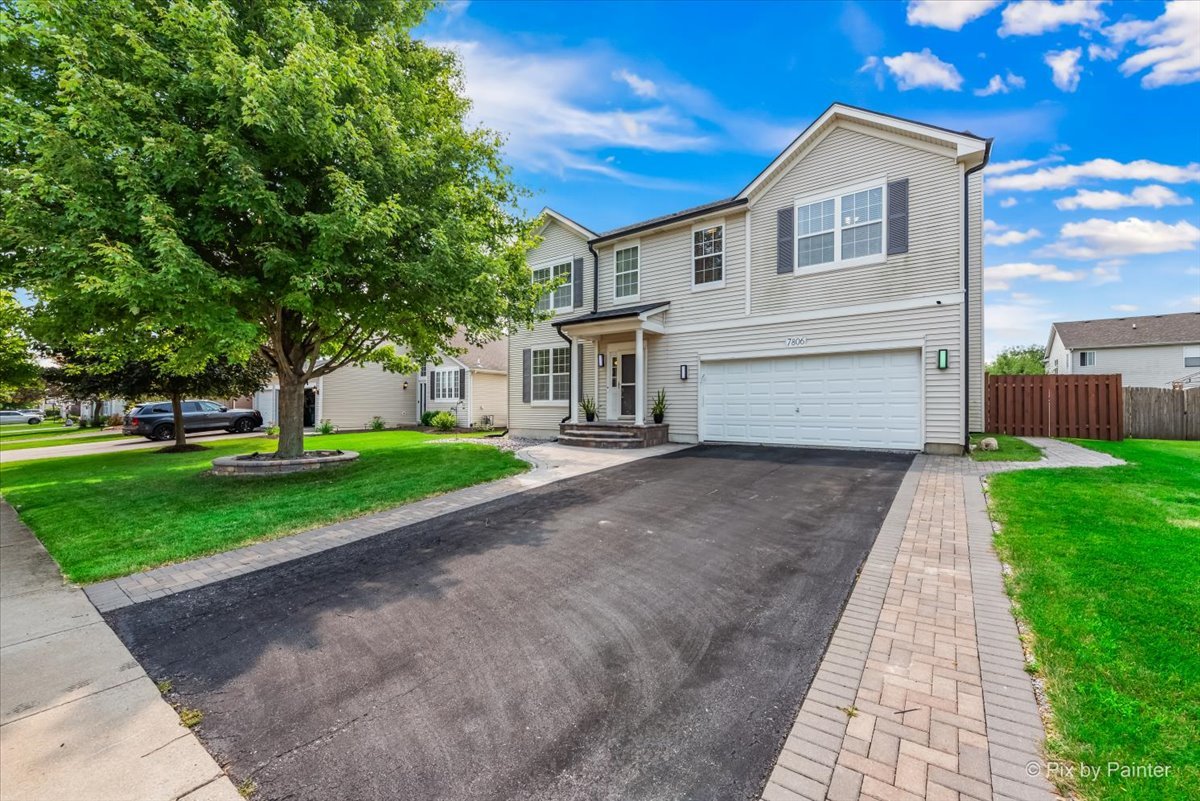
<point x="571" y="368"/>
<point x="966" y="355"/>
<point x="595" y="277"/>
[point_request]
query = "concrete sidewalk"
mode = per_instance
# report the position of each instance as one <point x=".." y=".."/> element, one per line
<point x="79" y="718"/>
<point x="57" y="448"/>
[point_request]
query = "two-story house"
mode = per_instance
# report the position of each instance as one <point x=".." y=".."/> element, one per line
<point x="834" y="301"/>
<point x="1158" y="350"/>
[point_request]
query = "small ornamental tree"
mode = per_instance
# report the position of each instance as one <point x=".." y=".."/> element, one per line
<point x="1019" y="360"/>
<point x="287" y="175"/>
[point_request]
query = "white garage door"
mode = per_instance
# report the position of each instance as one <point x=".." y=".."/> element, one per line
<point x="859" y="400"/>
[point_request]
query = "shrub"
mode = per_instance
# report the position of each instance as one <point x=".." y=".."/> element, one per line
<point x="376" y="423"/>
<point x="116" y="420"/>
<point x="444" y="421"/>
<point x="56" y="414"/>
<point x="272" y="432"/>
<point x="427" y="418"/>
<point x="325" y="427"/>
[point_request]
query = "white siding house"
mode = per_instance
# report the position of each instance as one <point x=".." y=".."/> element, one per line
<point x="1158" y="350"/>
<point x="834" y="301"/>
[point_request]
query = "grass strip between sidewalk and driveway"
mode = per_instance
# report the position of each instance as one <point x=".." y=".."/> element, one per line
<point x="1012" y="449"/>
<point x="1107" y="576"/>
<point x="107" y="515"/>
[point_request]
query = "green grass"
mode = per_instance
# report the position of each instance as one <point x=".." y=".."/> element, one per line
<point x="1107" y="575"/>
<point x="42" y="429"/>
<point x="1012" y="449"/>
<point x="50" y="442"/>
<point x="109" y="515"/>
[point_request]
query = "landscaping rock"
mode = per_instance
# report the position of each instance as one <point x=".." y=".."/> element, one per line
<point x="989" y="444"/>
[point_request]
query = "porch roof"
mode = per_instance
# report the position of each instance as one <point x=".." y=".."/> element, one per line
<point x="624" y="318"/>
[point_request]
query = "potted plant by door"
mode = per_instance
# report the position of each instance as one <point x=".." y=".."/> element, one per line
<point x="660" y="406"/>
<point x="588" y="406"/>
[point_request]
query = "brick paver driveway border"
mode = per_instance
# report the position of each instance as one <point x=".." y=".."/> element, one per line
<point x="922" y="692"/>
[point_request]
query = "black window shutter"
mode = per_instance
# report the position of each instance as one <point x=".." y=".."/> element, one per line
<point x="526" y="378"/>
<point x="462" y="383"/>
<point x="577" y="281"/>
<point x="785" y="240"/>
<point x="897" y="202"/>
<point x="432" y="381"/>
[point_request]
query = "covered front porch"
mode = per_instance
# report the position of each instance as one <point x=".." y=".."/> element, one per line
<point x="619" y="340"/>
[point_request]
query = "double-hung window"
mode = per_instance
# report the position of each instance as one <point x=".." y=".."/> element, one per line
<point x="847" y="227"/>
<point x="1087" y="358"/>
<point x="445" y="385"/>
<point x="550" y="374"/>
<point x="708" y="256"/>
<point x="627" y="272"/>
<point x="560" y="298"/>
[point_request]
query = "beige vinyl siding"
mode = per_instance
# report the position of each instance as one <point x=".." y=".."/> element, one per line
<point x="847" y="157"/>
<point x="975" y="298"/>
<point x="457" y="407"/>
<point x="351" y="396"/>
<point x="541" y="419"/>
<point x="1143" y="366"/>
<point x="489" y="395"/>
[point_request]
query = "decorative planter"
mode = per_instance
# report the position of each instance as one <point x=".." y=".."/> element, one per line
<point x="255" y="464"/>
<point x="658" y="418"/>
<point x="591" y="416"/>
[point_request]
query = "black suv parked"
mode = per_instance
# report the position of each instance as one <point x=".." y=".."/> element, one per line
<point x="156" y="420"/>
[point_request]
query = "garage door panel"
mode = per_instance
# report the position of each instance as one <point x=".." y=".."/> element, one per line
<point x="853" y="400"/>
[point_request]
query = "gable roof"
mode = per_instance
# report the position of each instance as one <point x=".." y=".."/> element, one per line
<point x="678" y="216"/>
<point x="562" y="219"/>
<point x="488" y="356"/>
<point x="1117" y="332"/>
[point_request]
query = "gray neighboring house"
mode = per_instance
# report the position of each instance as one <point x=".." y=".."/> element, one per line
<point x="1157" y="350"/>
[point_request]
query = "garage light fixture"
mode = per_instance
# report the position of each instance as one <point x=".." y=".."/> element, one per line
<point x="683" y="372"/>
<point x="943" y="359"/>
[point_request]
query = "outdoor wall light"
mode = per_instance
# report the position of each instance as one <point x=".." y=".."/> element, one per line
<point x="943" y="359"/>
<point x="599" y="359"/>
<point x="405" y="386"/>
<point x="683" y="372"/>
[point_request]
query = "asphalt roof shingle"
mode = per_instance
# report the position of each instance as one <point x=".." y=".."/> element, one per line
<point x="1154" y="329"/>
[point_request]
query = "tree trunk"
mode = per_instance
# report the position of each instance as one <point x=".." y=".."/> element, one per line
<point x="177" y="413"/>
<point x="291" y="417"/>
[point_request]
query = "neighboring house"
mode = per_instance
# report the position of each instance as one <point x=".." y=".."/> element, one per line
<point x="1153" y="351"/>
<point x="350" y="397"/>
<point x="473" y="385"/>
<point x="835" y="301"/>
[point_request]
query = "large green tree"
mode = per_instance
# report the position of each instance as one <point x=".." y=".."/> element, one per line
<point x="1019" y="360"/>
<point x="296" y="177"/>
<point x="19" y="373"/>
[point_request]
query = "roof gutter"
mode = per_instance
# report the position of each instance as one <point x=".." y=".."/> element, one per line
<point x="966" y="357"/>
<point x="637" y="229"/>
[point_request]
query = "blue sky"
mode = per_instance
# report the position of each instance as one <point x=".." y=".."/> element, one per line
<point x="615" y="112"/>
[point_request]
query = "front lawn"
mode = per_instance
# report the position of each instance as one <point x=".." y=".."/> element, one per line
<point x="109" y="515"/>
<point x="1012" y="449"/>
<point x="1107" y="575"/>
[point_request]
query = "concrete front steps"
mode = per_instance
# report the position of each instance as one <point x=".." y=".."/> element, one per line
<point x="612" y="435"/>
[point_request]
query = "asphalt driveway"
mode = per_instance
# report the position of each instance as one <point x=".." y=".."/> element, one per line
<point x="644" y="632"/>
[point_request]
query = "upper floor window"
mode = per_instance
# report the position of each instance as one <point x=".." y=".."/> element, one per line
<point x="843" y="228"/>
<point x="556" y="299"/>
<point x="445" y="385"/>
<point x="1087" y="358"/>
<point x="708" y="255"/>
<point x="627" y="272"/>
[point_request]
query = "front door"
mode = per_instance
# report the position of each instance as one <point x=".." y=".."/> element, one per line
<point x="622" y="384"/>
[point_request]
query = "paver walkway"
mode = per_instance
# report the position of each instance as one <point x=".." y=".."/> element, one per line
<point x="79" y="718"/>
<point x="922" y="692"/>
<point x="552" y="462"/>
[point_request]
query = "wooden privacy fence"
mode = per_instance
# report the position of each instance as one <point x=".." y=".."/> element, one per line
<point x="1086" y="406"/>
<point x="1155" y="413"/>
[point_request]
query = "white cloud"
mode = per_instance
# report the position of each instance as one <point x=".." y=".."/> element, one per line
<point x="1005" y="167"/>
<point x="1002" y="235"/>
<point x="923" y="70"/>
<point x="1033" y="17"/>
<point x="1192" y="271"/>
<point x="1155" y="196"/>
<point x="1065" y="68"/>
<point x="1098" y="52"/>
<point x="1001" y="85"/>
<point x="1008" y="202"/>
<point x="1069" y="175"/>
<point x="1106" y="239"/>
<point x="642" y="87"/>
<point x="1107" y="273"/>
<point x="1124" y="307"/>
<point x="1001" y="276"/>
<point x="1172" y="43"/>
<point x="1191" y="302"/>
<point x="1008" y="324"/>
<point x="950" y="15"/>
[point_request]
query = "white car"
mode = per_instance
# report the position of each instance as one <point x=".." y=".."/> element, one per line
<point x="10" y="416"/>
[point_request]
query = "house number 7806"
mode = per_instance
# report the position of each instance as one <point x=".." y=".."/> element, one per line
<point x="795" y="342"/>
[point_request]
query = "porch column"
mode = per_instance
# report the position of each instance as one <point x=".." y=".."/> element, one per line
<point x="639" y="414"/>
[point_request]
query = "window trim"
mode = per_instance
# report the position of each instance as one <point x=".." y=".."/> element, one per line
<point x="551" y="264"/>
<point x="836" y="195"/>
<point x="700" y="226"/>
<point x="635" y="244"/>
<point x="552" y="401"/>
<point x="1083" y="362"/>
<point x="433" y="379"/>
